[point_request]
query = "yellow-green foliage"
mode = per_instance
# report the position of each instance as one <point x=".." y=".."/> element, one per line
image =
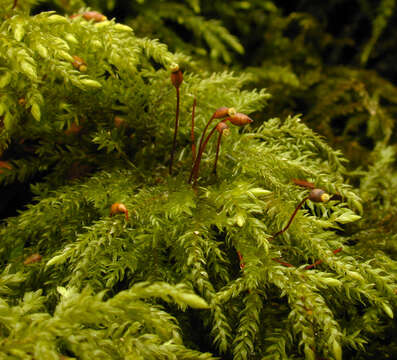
<point x="104" y="284"/>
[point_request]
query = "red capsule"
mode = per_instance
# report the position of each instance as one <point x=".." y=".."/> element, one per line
<point x="223" y="111"/>
<point x="79" y="63"/>
<point x="222" y="127"/>
<point x="118" y="121"/>
<point x="176" y="76"/>
<point x="318" y="195"/>
<point x="73" y="129"/>
<point x="22" y="101"/>
<point x="94" y="15"/>
<point x="34" y="258"/>
<point x="118" y="208"/>
<point x="5" y="165"/>
<point x="240" y="119"/>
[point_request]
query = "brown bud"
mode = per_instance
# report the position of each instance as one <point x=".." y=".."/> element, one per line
<point x="22" y="101"/>
<point x="5" y="165"/>
<point x="34" y="258"/>
<point x="118" y="121"/>
<point x="240" y="119"/>
<point x="176" y="75"/>
<point x="318" y="195"/>
<point x="223" y="111"/>
<point x="73" y="129"/>
<point x="94" y="15"/>
<point x="79" y="63"/>
<point x="118" y="208"/>
<point x="222" y="127"/>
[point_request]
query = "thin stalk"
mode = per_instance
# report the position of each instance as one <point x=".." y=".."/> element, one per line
<point x="241" y="259"/>
<point x="199" y="147"/>
<point x="282" y="262"/>
<point x="14" y="5"/>
<point x="196" y="167"/>
<point x="205" y="130"/>
<point x="176" y="128"/>
<point x="318" y="262"/>
<point x="192" y="132"/>
<point x="218" y="145"/>
<point x="291" y="218"/>
<point x="308" y="267"/>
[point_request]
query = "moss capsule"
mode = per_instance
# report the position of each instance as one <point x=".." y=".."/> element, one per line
<point x="73" y="129"/>
<point x="318" y="195"/>
<point x="94" y="15"/>
<point x="34" y="258"/>
<point x="240" y="119"/>
<point x="79" y="63"/>
<point x="176" y="76"/>
<point x="5" y="165"/>
<point x="223" y="128"/>
<point x="118" y="208"/>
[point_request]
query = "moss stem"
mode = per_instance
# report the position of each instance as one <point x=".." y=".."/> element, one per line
<point x="291" y="218"/>
<point x="218" y="145"/>
<point x="192" y="132"/>
<point x="176" y="128"/>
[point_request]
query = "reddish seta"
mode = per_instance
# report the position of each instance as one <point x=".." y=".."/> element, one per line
<point x="240" y="257"/>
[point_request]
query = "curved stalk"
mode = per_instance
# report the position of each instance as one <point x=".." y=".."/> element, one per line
<point x="205" y="130"/>
<point x="218" y="145"/>
<point x="291" y="218"/>
<point x="308" y="267"/>
<point x="318" y="262"/>
<point x="282" y="262"/>
<point x="175" y="130"/>
<point x="192" y="132"/>
<point x="200" y="146"/>
<point x="241" y="259"/>
<point x="196" y="168"/>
